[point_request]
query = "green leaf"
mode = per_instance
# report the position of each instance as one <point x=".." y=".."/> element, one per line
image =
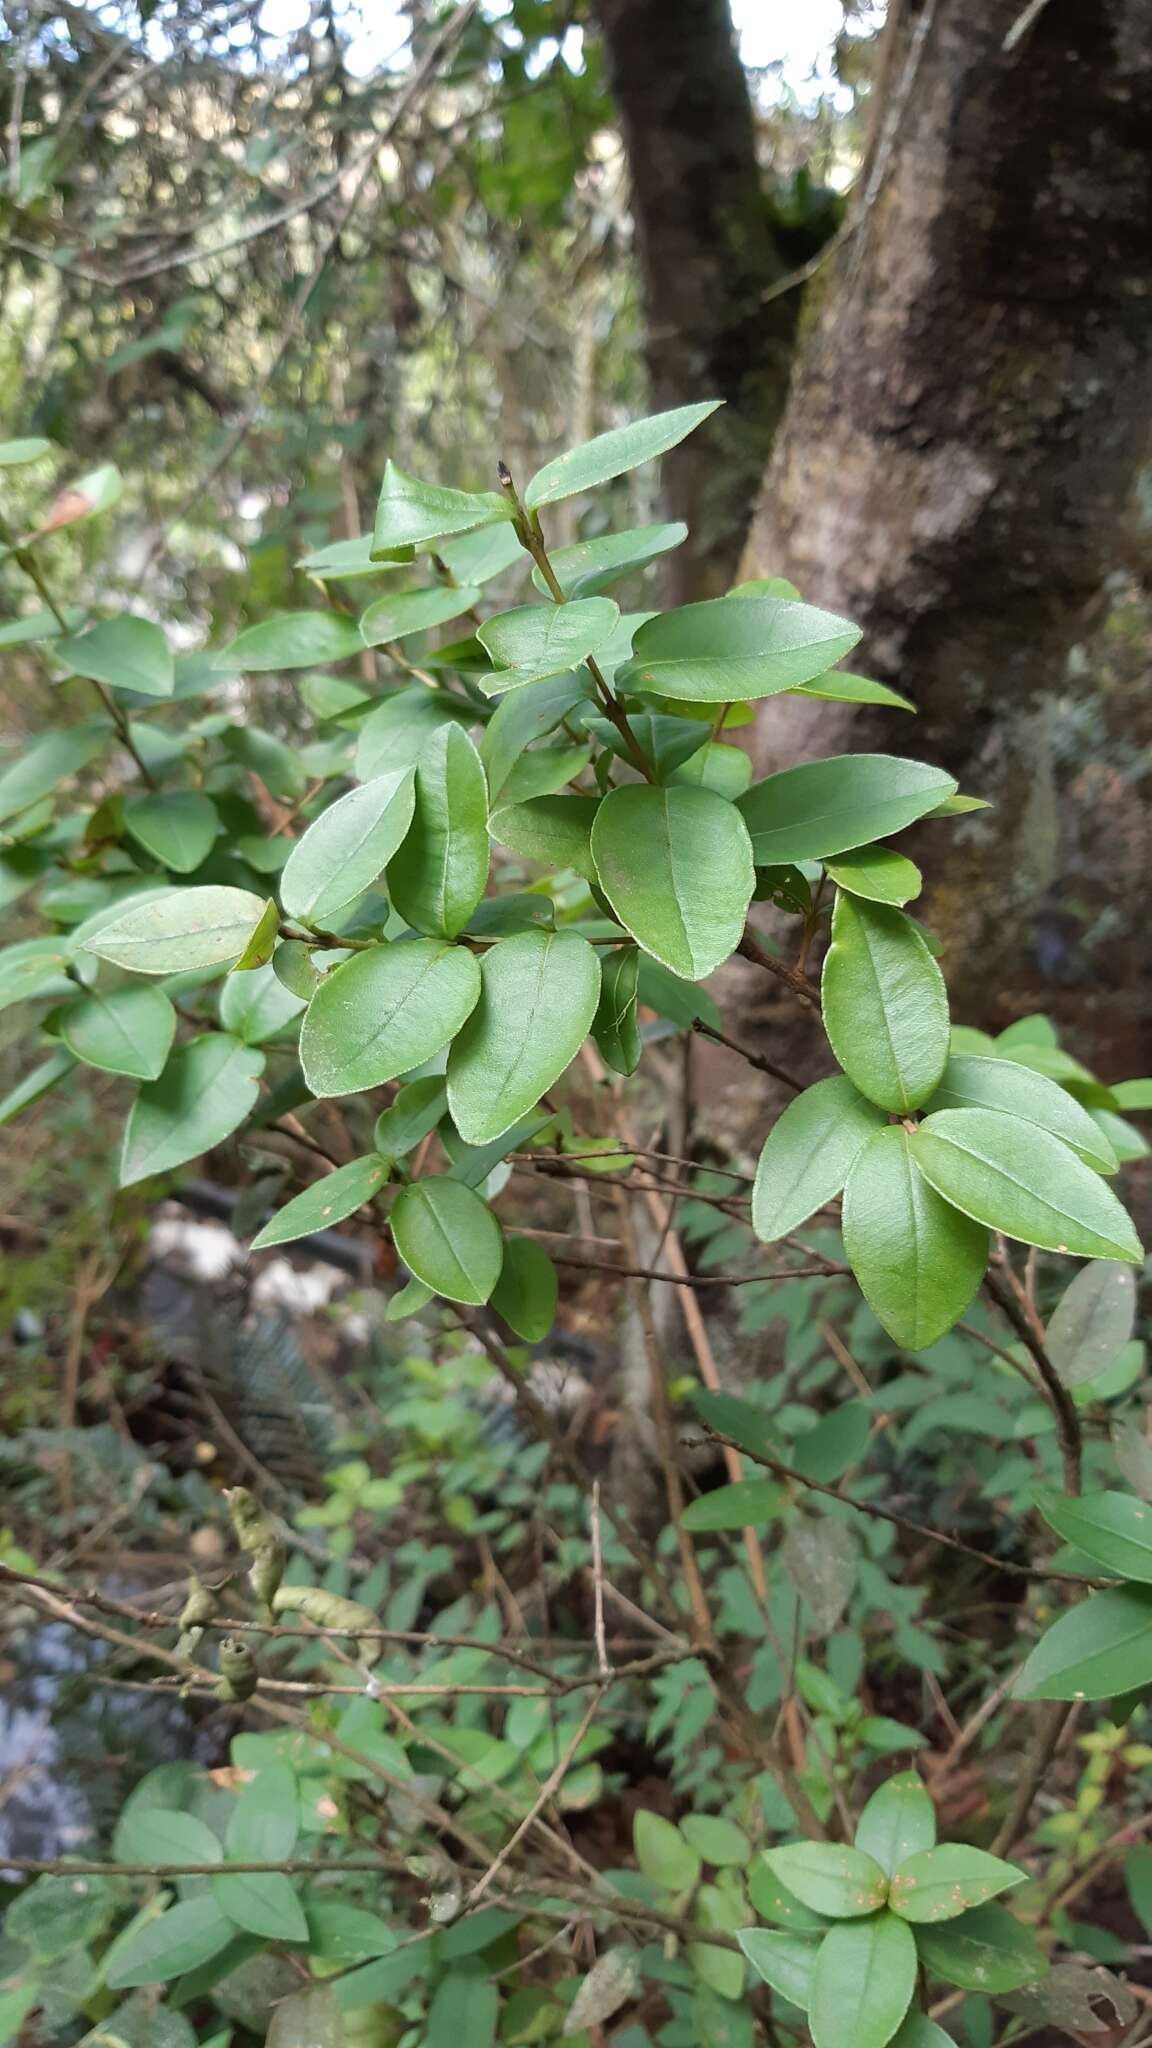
<point x="898" y="1821"/>
<point x="838" y="688"/>
<point x="409" y="512"/>
<point x="749" y="1427"/>
<point x="414" y="611"/>
<point x="919" y="2032"/>
<point x="29" y="449"/>
<point x="349" y="845"/>
<point x="862" y="1983"/>
<point x="743" y="1504"/>
<point x="294" y="640"/>
<point x="918" y="1261"/>
<point x="984" y="1950"/>
<point x="25" y="1092"/>
<point x="463" y="2011"/>
<point x="265" y="1821"/>
<point x="527" y="1290"/>
<point x="523" y="717"/>
<point x="261" y="1902"/>
<point x="485" y="553"/>
<point x="974" y="1081"/>
<point x="1100" y="1648"/>
<point x="125" y="653"/>
<point x="885" y="1005"/>
<point x="877" y="873"/>
<point x="207" y="1088"/>
<point x="312" y="2019"/>
<point x="615" y="1027"/>
<point x="822" y="1561"/>
<point x="663" y="1853"/>
<point x="327" y="1202"/>
<point x="840" y="1882"/>
<point x="59" y="1914"/>
<point x="665" y="741"/>
<point x="725" y="769"/>
<point x="346" y="1934"/>
<point x="262" y="942"/>
<point x="38" y="769"/>
<point x="411" y="1117"/>
<point x="344" y="561"/>
<point x="178" y="828"/>
<point x="1018" y="1179"/>
<point x="1133" y="1094"/>
<point x="538" y="998"/>
<point x="1123" y="1139"/>
<point x="397" y="732"/>
<point x="590" y="566"/>
<point x="384" y="1012"/>
<point x="785" y="1961"/>
<point x="184" y="1937"/>
<point x="838" y="1441"/>
<point x="1112" y="1528"/>
<point x="1092" y="1321"/>
<point x="33" y="626"/>
<point x="940" y="1884"/>
<point x="160" y="1834"/>
<point x="676" y="866"/>
<point x="612" y="454"/>
<point x="826" y="807"/>
<point x="808" y="1155"/>
<point x="734" y="648"/>
<point x="718" y="1841"/>
<point x="33" y="967"/>
<point x="177" y="929"/>
<point x="279" y="766"/>
<point x="448" y="1238"/>
<point x="538" y="641"/>
<point x="542" y="772"/>
<point x="440" y="872"/>
<point x="257" y="1004"/>
<point x="554" y="830"/>
<point x="127" y="1032"/>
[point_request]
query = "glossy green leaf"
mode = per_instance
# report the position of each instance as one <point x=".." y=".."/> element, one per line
<point x="839" y="688"/>
<point x="734" y="648"/>
<point x="1113" y="1528"/>
<point x="1124" y="1140"/>
<point x="542" y="772"/>
<point x="556" y="831"/>
<point x="395" y="734"/>
<point x="181" y="1939"/>
<point x="1018" y="1179"/>
<point x="785" y="1961"/>
<point x="448" y="1238"/>
<point x="898" y="1821"/>
<point x="207" y="1088"/>
<point x="1092" y="1321"/>
<point x="257" y="1005"/>
<point x="743" y="1504"/>
<point x="589" y="566"/>
<point x="676" y="866"/>
<point x="918" y="1261"/>
<point x="410" y="512"/>
<point x="984" y="1950"/>
<point x="612" y="454"/>
<point x="262" y="941"/>
<point x="726" y="769"/>
<point x="178" y="929"/>
<point x="483" y="554"/>
<point x="885" y="1005"/>
<point x="523" y="717"/>
<point x="33" y="967"/>
<point x="129" y="1031"/>
<point x="538" y="641"/>
<point x="538" y="998"/>
<point x="126" y="653"/>
<point x="294" y="640"/>
<point x="327" y="1202"/>
<point x="665" y="741"/>
<point x="878" y="873"/>
<point x="346" y="1934"/>
<point x="862" y="1983"/>
<point x="840" y="1882"/>
<point x="384" y="1012"/>
<point x="975" y="1081"/>
<point x="411" y="1117"/>
<point x="414" y="611"/>
<point x="828" y="807"/>
<point x="439" y="874"/>
<point x="261" y="1902"/>
<point x="663" y="1853"/>
<point x="1099" y="1648"/>
<point x="350" y="844"/>
<point x="527" y="1290"/>
<point x="940" y="1884"/>
<point x="809" y="1153"/>
<point x="344" y="561"/>
<point x="178" y="828"/>
<point x="36" y="770"/>
<point x="615" y="1027"/>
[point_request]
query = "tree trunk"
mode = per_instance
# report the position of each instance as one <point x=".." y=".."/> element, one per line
<point x="707" y="254"/>
<point x="966" y="429"/>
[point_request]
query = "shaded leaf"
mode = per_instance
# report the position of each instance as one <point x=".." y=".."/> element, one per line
<point x="809" y="1153"/>
<point x="448" y="1238"/>
<point x="918" y="1261"/>
<point x="207" y="1088"/>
